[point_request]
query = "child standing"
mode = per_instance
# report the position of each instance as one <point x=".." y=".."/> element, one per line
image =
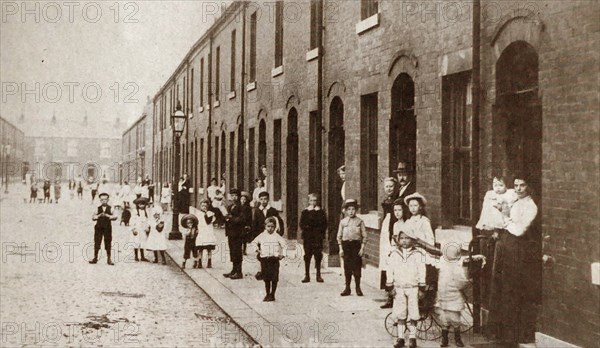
<point x="140" y="229"/>
<point x="271" y="247"/>
<point x="313" y="223"/>
<point x="190" y="224"/>
<point x="156" y="240"/>
<point x="406" y="278"/>
<point x="450" y="298"/>
<point x="205" y="240"/>
<point x="352" y="238"/>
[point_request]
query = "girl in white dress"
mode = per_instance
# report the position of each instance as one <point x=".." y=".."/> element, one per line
<point x="205" y="240"/>
<point x="165" y="196"/>
<point x="157" y="240"/>
<point x="140" y="228"/>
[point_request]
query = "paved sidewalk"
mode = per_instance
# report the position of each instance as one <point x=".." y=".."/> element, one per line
<point x="304" y="314"/>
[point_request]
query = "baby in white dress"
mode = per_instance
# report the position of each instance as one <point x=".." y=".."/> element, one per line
<point x="495" y="202"/>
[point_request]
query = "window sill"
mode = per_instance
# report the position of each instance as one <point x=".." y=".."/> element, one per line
<point x="200" y="109"/>
<point x="372" y="220"/>
<point x="251" y="86"/>
<point x="207" y="107"/>
<point x="231" y="95"/>
<point x="277" y="71"/>
<point x="458" y="235"/>
<point x="277" y="205"/>
<point x="312" y="54"/>
<point x="367" y="24"/>
<point x="217" y="104"/>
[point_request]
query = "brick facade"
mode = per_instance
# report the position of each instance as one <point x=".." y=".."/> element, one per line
<point x="137" y="157"/>
<point x="429" y="44"/>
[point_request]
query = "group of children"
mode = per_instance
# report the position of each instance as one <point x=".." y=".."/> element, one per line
<point x="147" y="231"/>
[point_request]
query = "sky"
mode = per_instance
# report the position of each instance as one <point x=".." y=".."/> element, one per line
<point x="100" y="58"/>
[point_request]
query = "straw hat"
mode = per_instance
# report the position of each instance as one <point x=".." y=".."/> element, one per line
<point x="415" y="195"/>
<point x="350" y="203"/>
<point x="187" y="217"/>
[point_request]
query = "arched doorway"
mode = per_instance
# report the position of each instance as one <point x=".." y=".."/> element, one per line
<point x="517" y="137"/>
<point x="403" y="124"/>
<point x="336" y="158"/>
<point x="291" y="211"/>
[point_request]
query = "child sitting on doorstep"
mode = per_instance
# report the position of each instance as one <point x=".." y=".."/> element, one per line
<point x="190" y="224"/>
<point x="271" y="247"/>
<point x="450" y="300"/>
<point x="406" y="278"/>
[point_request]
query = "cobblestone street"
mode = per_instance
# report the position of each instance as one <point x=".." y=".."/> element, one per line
<point x="51" y="296"/>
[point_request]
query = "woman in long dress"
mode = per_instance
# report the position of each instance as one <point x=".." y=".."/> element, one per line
<point x="512" y="315"/>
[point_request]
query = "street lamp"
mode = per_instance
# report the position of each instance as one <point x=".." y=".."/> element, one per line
<point x="7" y="160"/>
<point x="178" y="120"/>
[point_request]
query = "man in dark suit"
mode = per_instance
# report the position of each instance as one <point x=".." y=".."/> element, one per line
<point x="103" y="228"/>
<point x="405" y="174"/>
<point x="234" y="230"/>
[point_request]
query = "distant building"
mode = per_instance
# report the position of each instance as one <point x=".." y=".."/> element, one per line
<point x="136" y="147"/>
<point x="11" y="152"/>
<point x="65" y="148"/>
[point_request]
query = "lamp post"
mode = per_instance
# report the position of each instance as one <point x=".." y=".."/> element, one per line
<point x="178" y="120"/>
<point x="6" y="161"/>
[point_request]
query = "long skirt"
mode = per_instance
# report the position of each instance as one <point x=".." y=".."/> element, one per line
<point x="512" y="310"/>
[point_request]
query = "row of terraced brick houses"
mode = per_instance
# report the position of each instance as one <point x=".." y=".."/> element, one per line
<point x="304" y="87"/>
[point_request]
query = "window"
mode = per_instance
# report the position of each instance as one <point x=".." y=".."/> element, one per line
<point x="262" y="145"/>
<point x="276" y="160"/>
<point x="209" y="66"/>
<point x="217" y="157"/>
<point x="184" y="106"/>
<point x="217" y="73"/>
<point x="368" y="8"/>
<point x="191" y="94"/>
<point x="456" y="145"/>
<point x="278" y="33"/>
<point x="315" y="154"/>
<point x="202" y="82"/>
<point x="231" y="158"/>
<point x="368" y="152"/>
<point x="223" y="160"/>
<point x="105" y="150"/>
<point x="72" y="148"/>
<point x="252" y="69"/>
<point x="201" y="160"/>
<point x="251" y="157"/>
<point x="232" y="63"/>
<point x="315" y="20"/>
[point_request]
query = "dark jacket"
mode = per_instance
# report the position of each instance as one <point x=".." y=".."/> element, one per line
<point x="313" y="224"/>
<point x="258" y="221"/>
<point x="234" y="226"/>
<point x="103" y="222"/>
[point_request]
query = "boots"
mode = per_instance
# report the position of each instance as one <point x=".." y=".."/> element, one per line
<point x="444" y="338"/>
<point x="162" y="254"/>
<point x="199" y="263"/>
<point x="457" y="338"/>
<point x="209" y="263"/>
<point x="95" y="259"/>
<point x="358" y="290"/>
<point x="183" y="264"/>
<point x="108" y="260"/>
<point x="347" y="291"/>
<point x="412" y="343"/>
<point x="136" y="254"/>
<point x="306" y="271"/>
<point x="142" y="258"/>
<point x="389" y="302"/>
<point x="318" y="267"/>
<point x="155" y="256"/>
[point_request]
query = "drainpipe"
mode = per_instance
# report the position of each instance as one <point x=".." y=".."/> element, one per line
<point x="476" y="95"/>
<point x="210" y="111"/>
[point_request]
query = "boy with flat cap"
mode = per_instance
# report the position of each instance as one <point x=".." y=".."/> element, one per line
<point x="103" y="228"/>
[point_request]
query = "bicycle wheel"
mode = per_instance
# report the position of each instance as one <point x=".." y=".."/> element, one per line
<point x="390" y="325"/>
<point x="466" y="318"/>
<point x="428" y="328"/>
